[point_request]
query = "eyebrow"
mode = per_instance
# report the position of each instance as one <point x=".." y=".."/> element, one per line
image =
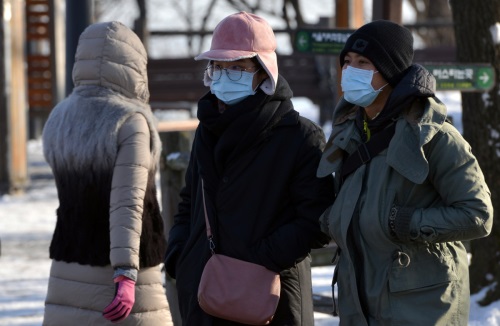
<point x="354" y="54"/>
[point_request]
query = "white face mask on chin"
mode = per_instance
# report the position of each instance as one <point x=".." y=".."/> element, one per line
<point x="357" y="86"/>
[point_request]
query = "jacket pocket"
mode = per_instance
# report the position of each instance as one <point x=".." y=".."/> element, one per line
<point x="420" y="267"/>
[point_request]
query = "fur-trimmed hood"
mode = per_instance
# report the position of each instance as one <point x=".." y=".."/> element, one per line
<point x="87" y="123"/>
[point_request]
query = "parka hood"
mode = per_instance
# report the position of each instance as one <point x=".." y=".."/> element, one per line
<point x="417" y="82"/>
<point x="111" y="55"/>
<point x="424" y="116"/>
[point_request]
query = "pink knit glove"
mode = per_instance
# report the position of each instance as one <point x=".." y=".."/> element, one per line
<point x="120" y="307"/>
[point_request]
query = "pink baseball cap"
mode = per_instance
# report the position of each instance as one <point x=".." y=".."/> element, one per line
<point x="244" y="35"/>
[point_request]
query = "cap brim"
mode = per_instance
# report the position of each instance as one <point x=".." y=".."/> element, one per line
<point x="268" y="60"/>
<point x="225" y="55"/>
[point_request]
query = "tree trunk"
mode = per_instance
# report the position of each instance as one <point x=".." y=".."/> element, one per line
<point x="481" y="125"/>
<point x="141" y="23"/>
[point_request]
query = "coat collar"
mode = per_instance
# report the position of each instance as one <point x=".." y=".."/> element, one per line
<point x="406" y="151"/>
<point x="414" y="128"/>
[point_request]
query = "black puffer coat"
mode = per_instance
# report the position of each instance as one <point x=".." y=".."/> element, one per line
<point x="263" y="200"/>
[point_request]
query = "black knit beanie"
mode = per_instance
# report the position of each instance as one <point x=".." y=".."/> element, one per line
<point x="388" y="45"/>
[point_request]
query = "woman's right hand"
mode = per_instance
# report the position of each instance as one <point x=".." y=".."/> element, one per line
<point x="124" y="300"/>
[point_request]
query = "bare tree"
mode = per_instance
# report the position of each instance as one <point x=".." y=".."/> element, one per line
<point x="141" y="23"/>
<point x="298" y="13"/>
<point x="114" y="8"/>
<point x="476" y="32"/>
<point x="253" y="7"/>
<point x="436" y="13"/>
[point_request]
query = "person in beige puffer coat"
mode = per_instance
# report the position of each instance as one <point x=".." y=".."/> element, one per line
<point x="103" y="148"/>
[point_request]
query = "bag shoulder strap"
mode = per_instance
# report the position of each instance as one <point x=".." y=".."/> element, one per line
<point x="210" y="237"/>
<point x="366" y="151"/>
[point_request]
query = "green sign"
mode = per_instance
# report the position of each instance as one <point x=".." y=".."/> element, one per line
<point x="462" y="77"/>
<point x="326" y="41"/>
<point x="449" y="76"/>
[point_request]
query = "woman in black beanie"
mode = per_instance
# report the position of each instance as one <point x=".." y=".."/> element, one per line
<point x="408" y="190"/>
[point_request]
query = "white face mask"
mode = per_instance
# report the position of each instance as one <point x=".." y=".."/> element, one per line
<point x="357" y="86"/>
<point x="232" y="92"/>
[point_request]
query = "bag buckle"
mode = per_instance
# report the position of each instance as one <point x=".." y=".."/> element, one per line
<point x="364" y="154"/>
<point x="211" y="244"/>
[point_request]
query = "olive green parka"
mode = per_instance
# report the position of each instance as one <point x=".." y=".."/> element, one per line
<point x="431" y="183"/>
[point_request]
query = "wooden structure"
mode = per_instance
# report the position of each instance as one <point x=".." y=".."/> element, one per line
<point x="39" y="63"/>
<point x="45" y="85"/>
<point x="176" y="138"/>
<point x="172" y="80"/>
<point x="13" y="153"/>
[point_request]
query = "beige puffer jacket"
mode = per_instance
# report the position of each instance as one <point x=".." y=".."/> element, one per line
<point x="110" y="55"/>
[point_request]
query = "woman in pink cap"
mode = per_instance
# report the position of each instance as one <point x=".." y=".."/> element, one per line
<point x="257" y="157"/>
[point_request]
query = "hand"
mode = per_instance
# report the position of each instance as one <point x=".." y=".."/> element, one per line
<point x="122" y="304"/>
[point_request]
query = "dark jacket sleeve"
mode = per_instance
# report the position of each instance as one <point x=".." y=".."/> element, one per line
<point x="292" y="242"/>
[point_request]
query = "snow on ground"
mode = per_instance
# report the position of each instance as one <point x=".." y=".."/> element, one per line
<point x="27" y="222"/>
<point x="26" y="225"/>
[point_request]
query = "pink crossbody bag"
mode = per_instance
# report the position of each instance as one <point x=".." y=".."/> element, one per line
<point x="237" y="290"/>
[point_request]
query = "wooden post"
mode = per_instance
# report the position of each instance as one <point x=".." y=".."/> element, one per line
<point x="176" y="138"/>
<point x="14" y="168"/>
<point x="348" y="14"/>
<point x="388" y="9"/>
<point x="173" y="165"/>
<point x="326" y="67"/>
<point x="4" y="148"/>
<point x="79" y="14"/>
<point x="57" y="50"/>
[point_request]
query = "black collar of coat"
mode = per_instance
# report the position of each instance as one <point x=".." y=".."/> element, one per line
<point x="222" y="137"/>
